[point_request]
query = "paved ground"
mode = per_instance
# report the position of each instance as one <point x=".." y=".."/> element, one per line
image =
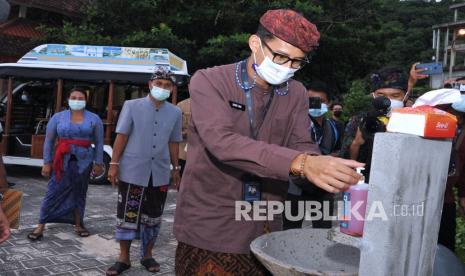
<point x="61" y="252"/>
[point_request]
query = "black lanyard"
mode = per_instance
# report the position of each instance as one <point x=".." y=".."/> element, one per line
<point x="249" y="101"/>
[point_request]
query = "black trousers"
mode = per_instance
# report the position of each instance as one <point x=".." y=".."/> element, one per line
<point x="448" y="225"/>
<point x="182" y="163"/>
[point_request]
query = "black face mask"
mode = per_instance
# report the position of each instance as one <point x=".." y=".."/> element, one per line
<point x="337" y="113"/>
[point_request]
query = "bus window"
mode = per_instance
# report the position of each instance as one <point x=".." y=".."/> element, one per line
<point x="33" y="105"/>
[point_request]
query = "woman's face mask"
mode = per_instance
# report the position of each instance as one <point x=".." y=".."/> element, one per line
<point x="76" y="104"/>
<point x="160" y="94"/>
<point x="271" y="72"/>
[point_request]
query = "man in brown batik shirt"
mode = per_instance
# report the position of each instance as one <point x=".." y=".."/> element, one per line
<point x="227" y="149"/>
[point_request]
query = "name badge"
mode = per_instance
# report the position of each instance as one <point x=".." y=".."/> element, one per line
<point x="237" y="105"/>
<point x="251" y="191"/>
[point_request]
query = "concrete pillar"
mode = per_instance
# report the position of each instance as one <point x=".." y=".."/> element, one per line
<point x="408" y="179"/>
<point x="446" y="45"/>
<point x="438" y="44"/>
<point x="452" y="54"/>
<point x="434" y="39"/>
<point x="437" y="81"/>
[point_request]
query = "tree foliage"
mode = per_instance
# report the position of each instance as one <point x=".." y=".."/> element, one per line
<point x="357" y="36"/>
<point x="356" y="99"/>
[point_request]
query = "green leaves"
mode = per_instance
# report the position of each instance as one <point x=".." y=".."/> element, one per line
<point x="357" y="36"/>
<point x="225" y="49"/>
<point x="357" y="99"/>
<point x="76" y="34"/>
<point x="460" y="237"/>
<point x="161" y="36"/>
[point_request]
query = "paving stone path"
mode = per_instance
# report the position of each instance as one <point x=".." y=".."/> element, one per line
<point x="62" y="252"/>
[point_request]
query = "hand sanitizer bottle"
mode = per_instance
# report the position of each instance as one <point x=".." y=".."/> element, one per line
<point x="355" y="198"/>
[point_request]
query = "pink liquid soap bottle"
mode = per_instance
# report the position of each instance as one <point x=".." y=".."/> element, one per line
<point x="355" y="196"/>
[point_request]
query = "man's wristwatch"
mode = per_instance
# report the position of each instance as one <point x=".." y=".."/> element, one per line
<point x="176" y="168"/>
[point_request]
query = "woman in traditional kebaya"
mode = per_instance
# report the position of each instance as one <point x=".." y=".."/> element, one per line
<point x="70" y="158"/>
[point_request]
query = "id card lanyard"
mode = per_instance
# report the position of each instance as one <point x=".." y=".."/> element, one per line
<point x="249" y="102"/>
<point x="252" y="190"/>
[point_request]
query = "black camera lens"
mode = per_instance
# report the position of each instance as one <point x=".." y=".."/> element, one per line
<point x="381" y="103"/>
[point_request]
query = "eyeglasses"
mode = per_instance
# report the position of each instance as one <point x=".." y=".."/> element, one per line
<point x="296" y="63"/>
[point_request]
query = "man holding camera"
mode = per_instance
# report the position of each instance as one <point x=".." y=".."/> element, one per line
<point x="324" y="132"/>
<point x="391" y="83"/>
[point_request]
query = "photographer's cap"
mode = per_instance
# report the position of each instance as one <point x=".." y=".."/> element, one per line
<point x="389" y="77"/>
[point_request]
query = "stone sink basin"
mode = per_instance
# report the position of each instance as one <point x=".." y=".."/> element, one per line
<point x="305" y="252"/>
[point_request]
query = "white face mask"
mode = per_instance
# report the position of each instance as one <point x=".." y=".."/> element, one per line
<point x="396" y="104"/>
<point x="76" y="104"/>
<point x="160" y="94"/>
<point x="318" y="112"/>
<point x="460" y="105"/>
<point x="271" y="72"/>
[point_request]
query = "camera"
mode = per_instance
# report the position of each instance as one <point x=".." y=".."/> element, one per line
<point x="370" y="122"/>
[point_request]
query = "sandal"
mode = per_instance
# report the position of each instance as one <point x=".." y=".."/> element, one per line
<point x="35" y="236"/>
<point x="151" y="265"/>
<point x="118" y="268"/>
<point x="83" y="233"/>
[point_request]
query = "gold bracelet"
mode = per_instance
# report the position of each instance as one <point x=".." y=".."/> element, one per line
<point x="302" y="166"/>
<point x="295" y="172"/>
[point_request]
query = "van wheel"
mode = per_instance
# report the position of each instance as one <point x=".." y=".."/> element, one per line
<point x="102" y="179"/>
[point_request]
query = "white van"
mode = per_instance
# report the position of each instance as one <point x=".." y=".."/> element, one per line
<point x="37" y="83"/>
